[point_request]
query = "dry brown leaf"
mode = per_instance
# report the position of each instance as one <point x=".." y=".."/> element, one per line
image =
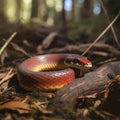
<point x="18" y="106"/>
<point x="48" y="40"/>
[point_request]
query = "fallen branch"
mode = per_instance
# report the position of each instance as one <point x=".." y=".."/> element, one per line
<point x="100" y="48"/>
<point x="92" y="82"/>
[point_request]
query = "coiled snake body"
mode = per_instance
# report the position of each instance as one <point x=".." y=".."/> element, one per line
<point x="50" y="71"/>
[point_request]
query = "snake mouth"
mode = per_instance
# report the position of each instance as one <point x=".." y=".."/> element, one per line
<point x="89" y="65"/>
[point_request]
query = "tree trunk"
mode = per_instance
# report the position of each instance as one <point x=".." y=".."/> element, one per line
<point x="74" y="10"/>
<point x="86" y="9"/>
<point x="18" y="10"/>
<point x="35" y="7"/>
<point x="63" y="13"/>
<point x="2" y="16"/>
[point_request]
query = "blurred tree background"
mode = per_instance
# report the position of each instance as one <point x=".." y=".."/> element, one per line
<point x="81" y="14"/>
<point x="52" y="12"/>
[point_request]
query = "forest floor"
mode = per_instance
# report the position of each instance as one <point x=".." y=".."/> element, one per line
<point x="18" y="104"/>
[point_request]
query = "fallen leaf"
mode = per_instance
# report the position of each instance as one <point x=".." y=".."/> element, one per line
<point x="18" y="106"/>
<point x="49" y="40"/>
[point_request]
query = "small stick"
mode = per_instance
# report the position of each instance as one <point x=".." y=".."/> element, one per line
<point x="7" y="42"/>
<point x="108" y="19"/>
<point x="8" y="76"/>
<point x="20" y="49"/>
<point x="106" y="29"/>
<point x="41" y="108"/>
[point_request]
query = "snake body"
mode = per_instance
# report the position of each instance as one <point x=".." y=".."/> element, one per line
<point x="50" y="71"/>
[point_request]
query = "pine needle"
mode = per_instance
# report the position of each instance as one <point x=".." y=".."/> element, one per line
<point x="104" y="31"/>
<point x="108" y="19"/>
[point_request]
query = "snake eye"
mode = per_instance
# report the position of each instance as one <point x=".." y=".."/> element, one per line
<point x="74" y="62"/>
<point x="77" y="62"/>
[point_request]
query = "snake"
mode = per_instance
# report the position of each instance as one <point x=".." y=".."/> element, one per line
<point x="50" y="72"/>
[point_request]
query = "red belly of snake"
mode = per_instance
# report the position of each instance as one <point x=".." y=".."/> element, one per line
<point x="46" y="72"/>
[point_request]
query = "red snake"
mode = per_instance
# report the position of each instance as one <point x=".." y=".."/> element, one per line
<point x="50" y="71"/>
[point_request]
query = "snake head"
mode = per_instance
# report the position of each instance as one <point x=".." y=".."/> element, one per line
<point x="81" y="63"/>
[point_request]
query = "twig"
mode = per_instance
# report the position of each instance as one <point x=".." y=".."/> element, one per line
<point x="108" y="19"/>
<point x="26" y="98"/>
<point x="106" y="61"/>
<point x="7" y="42"/>
<point x="8" y="76"/>
<point x="18" y="48"/>
<point x="41" y="108"/>
<point x="103" y="50"/>
<point x="106" y="29"/>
